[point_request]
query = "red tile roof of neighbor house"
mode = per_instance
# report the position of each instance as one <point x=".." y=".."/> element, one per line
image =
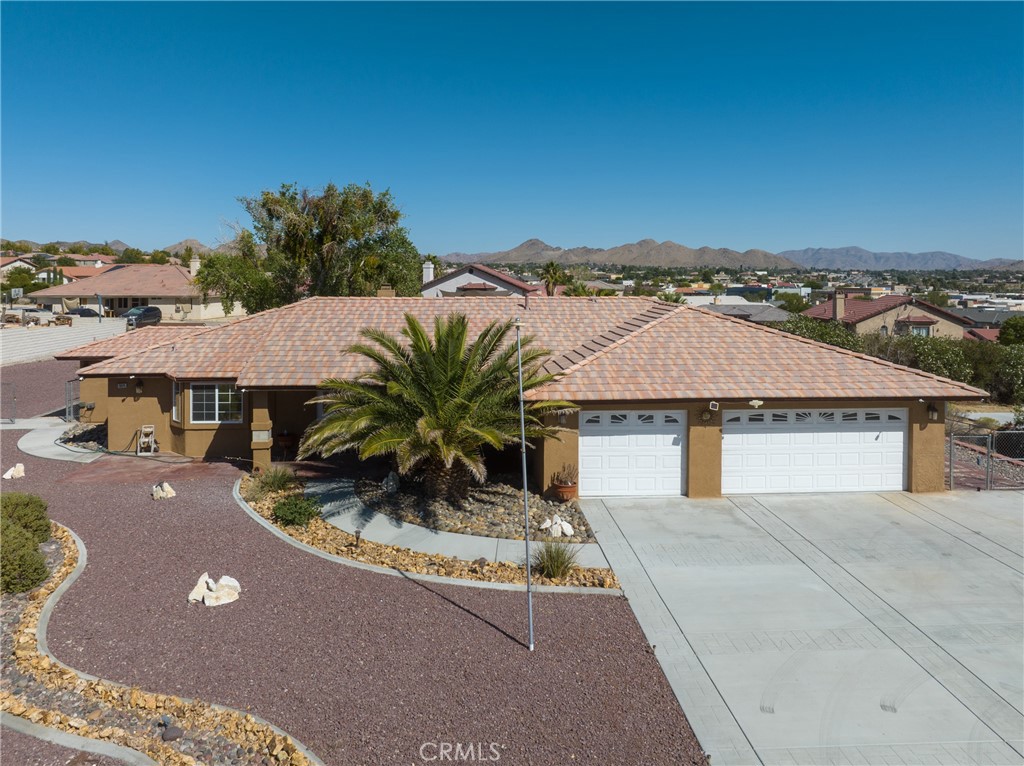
<point x="131" y="342"/>
<point x="990" y="334"/>
<point x="78" y="273"/>
<point x="601" y="349"/>
<point x="17" y="258"/>
<point x="858" y="310"/>
<point x="135" y="279"/>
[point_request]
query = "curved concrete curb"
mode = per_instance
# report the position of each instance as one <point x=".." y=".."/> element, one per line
<point x="44" y="621"/>
<point x="345" y="507"/>
<point x="409" y="575"/>
<point x="74" y="742"/>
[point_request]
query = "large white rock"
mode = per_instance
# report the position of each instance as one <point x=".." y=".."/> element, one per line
<point x="228" y="582"/>
<point x="168" y="492"/>
<point x="220" y="596"/>
<point x="546" y="524"/>
<point x="567" y="529"/>
<point x="556" y="530"/>
<point x="15" y="472"/>
<point x="158" y="492"/>
<point x="201" y="589"/>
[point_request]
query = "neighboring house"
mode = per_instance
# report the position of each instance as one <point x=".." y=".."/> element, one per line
<point x="890" y="315"/>
<point x="991" y="318"/>
<point x="62" y="275"/>
<point x="16" y="261"/>
<point x="473" y="280"/>
<point x="673" y="399"/>
<point x="122" y="287"/>
<point x="600" y="284"/>
<point x="758" y="313"/>
<point x="95" y="259"/>
<point x="991" y="335"/>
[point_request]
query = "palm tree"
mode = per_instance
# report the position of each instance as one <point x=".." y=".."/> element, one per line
<point x="552" y="275"/>
<point x="434" y="404"/>
<point x="673" y="297"/>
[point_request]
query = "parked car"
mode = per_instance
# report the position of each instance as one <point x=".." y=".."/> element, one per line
<point x="140" y="316"/>
<point x="83" y="311"/>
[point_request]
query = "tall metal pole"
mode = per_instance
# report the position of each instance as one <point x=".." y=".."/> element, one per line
<point x="526" y="496"/>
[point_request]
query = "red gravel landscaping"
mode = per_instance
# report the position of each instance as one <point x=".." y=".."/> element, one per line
<point x="39" y="387"/>
<point x="363" y="668"/>
<point x="22" y="750"/>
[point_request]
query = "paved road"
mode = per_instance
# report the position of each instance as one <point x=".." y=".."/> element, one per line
<point x="846" y="629"/>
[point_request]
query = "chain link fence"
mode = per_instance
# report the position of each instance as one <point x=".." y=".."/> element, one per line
<point x="980" y="458"/>
<point x="72" y="389"/>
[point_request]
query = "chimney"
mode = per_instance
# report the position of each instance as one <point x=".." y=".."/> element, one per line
<point x="428" y="271"/>
<point x="193" y="265"/>
<point x="838" y="306"/>
<point x="386" y="291"/>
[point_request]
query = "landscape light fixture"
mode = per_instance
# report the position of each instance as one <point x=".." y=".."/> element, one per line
<point x="526" y="495"/>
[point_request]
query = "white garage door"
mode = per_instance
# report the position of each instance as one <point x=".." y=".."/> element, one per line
<point x="632" y="453"/>
<point x="813" y="450"/>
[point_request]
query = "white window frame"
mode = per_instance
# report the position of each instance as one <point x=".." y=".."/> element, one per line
<point x="175" y="397"/>
<point x="216" y="385"/>
<point x="922" y="332"/>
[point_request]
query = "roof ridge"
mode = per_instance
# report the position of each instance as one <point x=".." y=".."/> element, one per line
<point x="839" y="349"/>
<point x="574" y="367"/>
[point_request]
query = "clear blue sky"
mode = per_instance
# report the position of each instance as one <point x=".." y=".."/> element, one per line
<point x="778" y="126"/>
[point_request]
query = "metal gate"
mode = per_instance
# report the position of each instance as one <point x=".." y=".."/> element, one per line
<point x="8" y="402"/>
<point x="72" y="395"/>
<point x="993" y="460"/>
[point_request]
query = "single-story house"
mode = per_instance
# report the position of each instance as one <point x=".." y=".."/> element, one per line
<point x="890" y="315"/>
<point x="982" y="317"/>
<point x="88" y="259"/>
<point x="15" y="262"/>
<point x="122" y="287"/>
<point x="62" y="275"/>
<point x="672" y="399"/>
<point x="473" y="280"/>
<point x="759" y="313"/>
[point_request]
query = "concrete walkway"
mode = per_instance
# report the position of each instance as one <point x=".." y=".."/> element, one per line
<point x="344" y="509"/>
<point x="42" y="442"/>
<point x="838" y="629"/>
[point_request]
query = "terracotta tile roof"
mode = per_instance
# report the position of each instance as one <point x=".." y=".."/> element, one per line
<point x="136" y="279"/>
<point x="477" y="286"/>
<point x="858" y="310"/>
<point x="917" y="319"/>
<point x="7" y="261"/>
<point x="982" y="333"/>
<point x="693" y="353"/>
<point x="131" y="342"/>
<point x="602" y="348"/>
<point x="79" y="273"/>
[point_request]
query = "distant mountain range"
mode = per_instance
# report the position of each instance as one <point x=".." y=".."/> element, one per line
<point x="648" y="252"/>
<point x="859" y="258"/>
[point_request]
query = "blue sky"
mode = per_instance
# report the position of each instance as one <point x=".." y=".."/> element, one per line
<point x="891" y="126"/>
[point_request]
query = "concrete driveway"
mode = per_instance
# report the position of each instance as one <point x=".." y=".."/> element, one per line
<point x="833" y="629"/>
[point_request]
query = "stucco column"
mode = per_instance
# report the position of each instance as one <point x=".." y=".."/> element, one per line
<point x="262" y="434"/>
<point x="704" y="456"/>
<point x="926" y="469"/>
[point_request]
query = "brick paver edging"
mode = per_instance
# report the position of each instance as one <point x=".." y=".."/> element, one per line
<point x="409" y="575"/>
<point x="64" y="675"/>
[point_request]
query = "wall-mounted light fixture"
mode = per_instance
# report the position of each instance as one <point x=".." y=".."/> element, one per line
<point x="562" y="417"/>
<point x="713" y="406"/>
<point x="933" y="412"/>
<point x="755" y="403"/>
<point x="138" y="386"/>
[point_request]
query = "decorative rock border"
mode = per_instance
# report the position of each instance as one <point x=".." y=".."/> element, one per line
<point x="75" y="742"/>
<point x="32" y="657"/>
<point x="440" y="579"/>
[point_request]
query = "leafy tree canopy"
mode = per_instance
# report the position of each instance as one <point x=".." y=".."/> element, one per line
<point x="338" y="242"/>
<point x="792" y="302"/>
<point x="1011" y="332"/>
<point x="66" y="261"/>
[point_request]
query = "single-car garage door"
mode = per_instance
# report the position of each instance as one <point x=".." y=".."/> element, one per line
<point x="632" y="452"/>
<point x="854" y="450"/>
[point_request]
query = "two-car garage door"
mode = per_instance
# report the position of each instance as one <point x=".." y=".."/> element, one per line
<point x="643" y="453"/>
<point x="813" y="450"/>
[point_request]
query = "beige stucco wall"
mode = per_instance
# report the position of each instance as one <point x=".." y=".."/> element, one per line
<point x="128" y="410"/>
<point x="945" y="328"/>
<point x="93" y="391"/>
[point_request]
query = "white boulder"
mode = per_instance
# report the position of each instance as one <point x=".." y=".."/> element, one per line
<point x="220" y="596"/>
<point x="567" y="529"/>
<point x="546" y="524"/>
<point x="16" y="472"/>
<point x="168" y="492"/>
<point x="201" y="589"/>
<point x="556" y="530"/>
<point x="228" y="582"/>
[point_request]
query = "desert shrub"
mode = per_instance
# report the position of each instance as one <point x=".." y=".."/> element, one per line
<point x="296" y="510"/>
<point x="276" y="479"/>
<point x="22" y="565"/>
<point x="990" y="423"/>
<point x="555" y="560"/>
<point x="28" y="512"/>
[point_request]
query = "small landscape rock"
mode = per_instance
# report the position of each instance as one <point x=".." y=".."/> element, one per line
<point x="16" y="472"/>
<point x="172" y="733"/>
<point x="201" y="588"/>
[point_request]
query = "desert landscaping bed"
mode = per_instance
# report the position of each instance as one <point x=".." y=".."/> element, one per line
<point x="492" y="510"/>
<point x="330" y="539"/>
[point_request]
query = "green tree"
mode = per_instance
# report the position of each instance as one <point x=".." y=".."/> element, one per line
<point x="814" y="284"/>
<point x="792" y="302"/>
<point x="1011" y="332"/>
<point x="17" y="247"/>
<point x="50" y="249"/>
<point x="66" y="261"/>
<point x="40" y="261"/>
<point x="160" y="257"/>
<point x="551" y="276"/>
<point x="717" y="288"/>
<point x="337" y="242"/>
<point x="672" y="297"/>
<point x="937" y="298"/>
<point x="131" y="255"/>
<point x="434" y="404"/>
<point x="23" y="277"/>
<point x="833" y="333"/>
